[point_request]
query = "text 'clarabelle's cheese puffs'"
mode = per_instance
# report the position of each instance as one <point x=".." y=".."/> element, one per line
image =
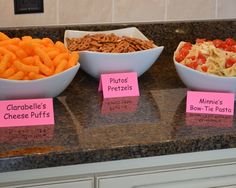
<point x="28" y="58"/>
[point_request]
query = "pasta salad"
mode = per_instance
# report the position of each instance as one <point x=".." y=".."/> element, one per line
<point x="216" y="57"/>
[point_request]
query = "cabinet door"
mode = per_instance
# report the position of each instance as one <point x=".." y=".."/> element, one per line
<point x="61" y="184"/>
<point x="201" y="177"/>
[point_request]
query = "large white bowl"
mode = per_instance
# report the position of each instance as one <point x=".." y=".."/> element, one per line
<point x="42" y="88"/>
<point x="200" y="81"/>
<point x="96" y="63"/>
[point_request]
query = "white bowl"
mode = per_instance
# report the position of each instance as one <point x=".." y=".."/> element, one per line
<point x="96" y="63"/>
<point x="41" y="88"/>
<point x="200" y="81"/>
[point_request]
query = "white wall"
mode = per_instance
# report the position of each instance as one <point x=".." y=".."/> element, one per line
<point x="66" y="12"/>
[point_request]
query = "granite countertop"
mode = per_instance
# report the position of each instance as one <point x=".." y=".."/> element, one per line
<point x="89" y="129"/>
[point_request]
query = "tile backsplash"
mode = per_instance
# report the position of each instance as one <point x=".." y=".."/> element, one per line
<point x="69" y="12"/>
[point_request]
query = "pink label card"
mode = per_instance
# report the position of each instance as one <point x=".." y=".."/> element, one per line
<point x="210" y="103"/>
<point x="119" y="85"/>
<point x="27" y="112"/>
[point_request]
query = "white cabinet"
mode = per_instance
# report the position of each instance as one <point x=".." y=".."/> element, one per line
<point x="76" y="184"/>
<point x="193" y="170"/>
<point x="198" y="177"/>
<point x="73" y="183"/>
<point x="206" y="169"/>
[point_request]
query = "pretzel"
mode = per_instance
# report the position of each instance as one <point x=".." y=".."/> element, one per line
<point x="108" y="43"/>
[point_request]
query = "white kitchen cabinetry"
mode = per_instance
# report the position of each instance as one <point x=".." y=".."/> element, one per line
<point x="47" y="183"/>
<point x="206" y="169"/>
<point x="199" y="177"/>
<point x="61" y="184"/>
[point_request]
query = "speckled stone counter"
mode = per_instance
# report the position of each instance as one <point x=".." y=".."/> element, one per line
<point x="89" y="129"/>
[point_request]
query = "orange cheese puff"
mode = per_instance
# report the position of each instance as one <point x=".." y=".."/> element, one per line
<point x="38" y="45"/>
<point x="26" y="77"/>
<point x="27" y="47"/>
<point x="17" y="50"/>
<point x="52" y="54"/>
<point x="7" y="73"/>
<point x="59" y="57"/>
<point x="3" y="36"/>
<point x="60" y="45"/>
<point x="34" y="76"/>
<point x="4" y="51"/>
<point x="26" y="38"/>
<point x="9" y="41"/>
<point x="20" y="53"/>
<point x="44" y="57"/>
<point x="42" y="67"/>
<point x="28" y="60"/>
<point x="74" y="57"/>
<point x="47" y="42"/>
<point x="5" y="42"/>
<point x="61" y="66"/>
<point x="17" y="76"/>
<point x="50" y="48"/>
<point x="36" y="40"/>
<point x="25" y="68"/>
<point x="15" y="41"/>
<point x="5" y="62"/>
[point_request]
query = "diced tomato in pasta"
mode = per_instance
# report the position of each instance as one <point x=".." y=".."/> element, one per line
<point x="201" y="59"/>
<point x="179" y="57"/>
<point x="183" y="52"/>
<point x="230" y="42"/>
<point x="228" y="45"/>
<point x="192" y="57"/>
<point x="217" y="43"/>
<point x="187" y="46"/>
<point x="229" y="62"/>
<point x="192" y="65"/>
<point x="204" y="68"/>
<point x="199" y="41"/>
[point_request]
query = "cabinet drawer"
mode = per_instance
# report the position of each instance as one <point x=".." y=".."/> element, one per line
<point x="84" y="183"/>
<point x="201" y="177"/>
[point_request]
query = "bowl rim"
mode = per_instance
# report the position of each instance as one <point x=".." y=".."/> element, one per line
<point x="104" y="31"/>
<point x="77" y="66"/>
<point x="110" y="31"/>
